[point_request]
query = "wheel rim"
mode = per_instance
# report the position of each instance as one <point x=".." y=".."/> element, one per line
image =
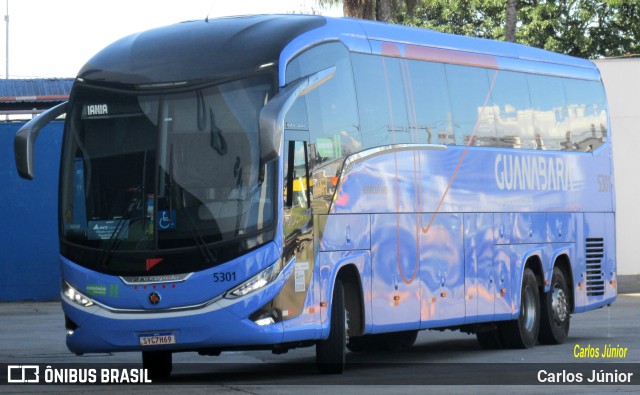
<point x="559" y="306"/>
<point x="529" y="310"/>
<point x="346" y="326"/>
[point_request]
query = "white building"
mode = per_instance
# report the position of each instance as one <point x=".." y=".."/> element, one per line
<point x="621" y="78"/>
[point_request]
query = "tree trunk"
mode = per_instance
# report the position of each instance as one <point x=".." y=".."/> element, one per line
<point x="411" y="6"/>
<point x="362" y="9"/>
<point x="511" y="20"/>
<point x="383" y="10"/>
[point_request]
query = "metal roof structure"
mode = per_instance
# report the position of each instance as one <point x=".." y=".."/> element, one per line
<point x="32" y="95"/>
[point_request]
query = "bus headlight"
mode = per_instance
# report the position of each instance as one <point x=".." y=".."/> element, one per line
<point x="73" y="295"/>
<point x="256" y="282"/>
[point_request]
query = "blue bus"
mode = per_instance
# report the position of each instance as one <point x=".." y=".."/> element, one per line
<point x="282" y="181"/>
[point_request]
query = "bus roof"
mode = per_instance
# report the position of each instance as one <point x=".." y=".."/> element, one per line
<point x="198" y="50"/>
<point x="432" y="38"/>
<point x="227" y="47"/>
<point x="425" y="44"/>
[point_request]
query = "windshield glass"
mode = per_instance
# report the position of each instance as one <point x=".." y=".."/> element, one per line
<point x="162" y="172"/>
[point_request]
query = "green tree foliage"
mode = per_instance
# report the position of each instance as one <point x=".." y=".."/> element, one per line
<point x="477" y="18"/>
<point x="584" y="28"/>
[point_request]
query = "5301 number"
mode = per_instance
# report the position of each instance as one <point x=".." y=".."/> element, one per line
<point x="224" y="277"/>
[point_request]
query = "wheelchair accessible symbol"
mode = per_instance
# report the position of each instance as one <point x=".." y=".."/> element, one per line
<point x="166" y="221"/>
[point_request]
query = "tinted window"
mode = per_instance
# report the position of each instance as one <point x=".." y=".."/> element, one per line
<point x="512" y="110"/>
<point x="473" y="119"/>
<point x="412" y="101"/>
<point x="381" y="100"/>
<point x="331" y="107"/>
<point x="431" y="105"/>
<point x="550" y="118"/>
<point x="586" y="105"/>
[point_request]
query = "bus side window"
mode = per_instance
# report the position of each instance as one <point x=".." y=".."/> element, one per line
<point x="296" y="192"/>
<point x="512" y="110"/>
<point x="296" y="180"/>
<point x="586" y="105"/>
<point x="331" y="108"/>
<point x="430" y="106"/>
<point x="382" y="100"/>
<point x="550" y="117"/>
<point x="473" y="116"/>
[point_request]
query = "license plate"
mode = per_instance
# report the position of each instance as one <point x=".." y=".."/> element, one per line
<point x="157" y="339"/>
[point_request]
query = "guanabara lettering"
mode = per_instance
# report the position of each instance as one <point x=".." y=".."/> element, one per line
<point x="532" y="173"/>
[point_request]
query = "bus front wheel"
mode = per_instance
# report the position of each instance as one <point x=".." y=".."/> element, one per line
<point x="523" y="332"/>
<point x="330" y="353"/>
<point x="555" y="310"/>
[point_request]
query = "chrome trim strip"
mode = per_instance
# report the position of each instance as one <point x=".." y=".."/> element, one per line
<point x="385" y="149"/>
<point x="159" y="279"/>
<point x="393" y="148"/>
<point x="153" y="311"/>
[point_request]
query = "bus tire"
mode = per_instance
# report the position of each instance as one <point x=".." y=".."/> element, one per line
<point x="523" y="332"/>
<point x="408" y="338"/>
<point x="330" y="353"/>
<point x="555" y="311"/>
<point x="158" y="364"/>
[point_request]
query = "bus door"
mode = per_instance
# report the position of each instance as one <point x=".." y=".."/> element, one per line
<point x="300" y="290"/>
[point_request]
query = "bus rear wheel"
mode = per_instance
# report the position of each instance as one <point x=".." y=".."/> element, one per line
<point x="157" y="363"/>
<point x="556" y="310"/>
<point x="330" y="353"/>
<point x="523" y="332"/>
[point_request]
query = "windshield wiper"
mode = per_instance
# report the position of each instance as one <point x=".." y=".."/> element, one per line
<point x="114" y="240"/>
<point x="134" y="205"/>
<point x="197" y="237"/>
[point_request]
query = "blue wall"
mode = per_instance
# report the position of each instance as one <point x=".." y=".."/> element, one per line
<point x="29" y="263"/>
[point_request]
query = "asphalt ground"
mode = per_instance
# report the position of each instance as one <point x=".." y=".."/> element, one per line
<point x="32" y="334"/>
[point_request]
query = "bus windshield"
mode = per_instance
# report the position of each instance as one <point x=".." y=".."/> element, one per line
<point x="165" y="171"/>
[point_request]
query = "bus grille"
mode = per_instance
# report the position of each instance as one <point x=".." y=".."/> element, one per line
<point x="595" y="274"/>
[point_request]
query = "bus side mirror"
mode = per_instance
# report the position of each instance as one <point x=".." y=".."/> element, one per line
<point x="273" y="113"/>
<point x="272" y="119"/>
<point x="26" y="137"/>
